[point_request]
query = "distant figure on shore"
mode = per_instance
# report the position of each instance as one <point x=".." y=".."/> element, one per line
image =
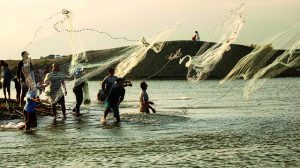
<point x="21" y="77"/>
<point x="29" y="112"/>
<point x="7" y="77"/>
<point x="196" y="37"/>
<point x="56" y="80"/>
<point x="106" y="85"/>
<point x="144" y="99"/>
<point x="115" y="97"/>
<point x="79" y="90"/>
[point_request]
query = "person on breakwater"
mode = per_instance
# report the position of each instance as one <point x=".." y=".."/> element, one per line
<point x="196" y="37"/>
<point x="56" y="80"/>
<point x="144" y="99"/>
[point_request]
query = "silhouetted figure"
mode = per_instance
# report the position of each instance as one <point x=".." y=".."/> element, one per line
<point x="79" y="90"/>
<point x="7" y="77"/>
<point x="115" y="97"/>
<point x="106" y="85"/>
<point x="18" y="88"/>
<point x="21" y="77"/>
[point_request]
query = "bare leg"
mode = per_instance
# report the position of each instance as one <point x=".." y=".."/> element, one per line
<point x="8" y="91"/>
<point x="4" y="92"/>
<point x="53" y="108"/>
<point x="63" y="109"/>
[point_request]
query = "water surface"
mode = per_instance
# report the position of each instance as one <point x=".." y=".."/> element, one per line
<point x="197" y="124"/>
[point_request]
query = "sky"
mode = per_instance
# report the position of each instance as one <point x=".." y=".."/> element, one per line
<point x="133" y="19"/>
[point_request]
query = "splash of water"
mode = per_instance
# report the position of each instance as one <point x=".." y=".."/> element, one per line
<point x="200" y="66"/>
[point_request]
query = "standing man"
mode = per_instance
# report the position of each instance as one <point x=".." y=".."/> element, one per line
<point x="106" y="85"/>
<point x="21" y="77"/>
<point x="7" y="76"/>
<point x="79" y="90"/>
<point x="56" y="80"/>
<point x="115" y="97"/>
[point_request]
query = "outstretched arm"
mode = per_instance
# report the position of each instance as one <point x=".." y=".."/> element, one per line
<point x="147" y="104"/>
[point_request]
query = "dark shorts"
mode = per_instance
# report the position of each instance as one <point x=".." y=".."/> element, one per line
<point x="60" y="101"/>
<point x="6" y="84"/>
<point x="112" y="107"/>
<point x="30" y="119"/>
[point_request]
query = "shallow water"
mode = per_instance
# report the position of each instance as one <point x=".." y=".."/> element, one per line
<point x="197" y="124"/>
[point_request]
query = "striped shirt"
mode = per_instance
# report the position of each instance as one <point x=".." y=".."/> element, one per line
<point x="56" y="79"/>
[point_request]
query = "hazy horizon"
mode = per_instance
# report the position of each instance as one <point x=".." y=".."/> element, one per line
<point x="134" y="19"/>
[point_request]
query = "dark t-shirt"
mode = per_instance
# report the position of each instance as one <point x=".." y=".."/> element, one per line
<point x="20" y="74"/>
<point x="7" y="76"/>
<point x="79" y="87"/>
<point x="116" y="94"/>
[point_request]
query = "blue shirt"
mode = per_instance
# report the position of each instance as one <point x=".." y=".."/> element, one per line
<point x="30" y="104"/>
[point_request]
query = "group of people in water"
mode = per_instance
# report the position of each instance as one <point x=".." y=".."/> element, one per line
<point x="111" y="94"/>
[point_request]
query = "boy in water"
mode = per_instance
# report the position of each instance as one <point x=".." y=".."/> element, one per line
<point x="29" y="112"/>
<point x="144" y="99"/>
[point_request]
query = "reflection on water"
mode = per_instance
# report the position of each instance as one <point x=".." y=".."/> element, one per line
<point x="196" y="125"/>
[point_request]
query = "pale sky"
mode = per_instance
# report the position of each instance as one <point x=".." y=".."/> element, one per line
<point x="133" y="19"/>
